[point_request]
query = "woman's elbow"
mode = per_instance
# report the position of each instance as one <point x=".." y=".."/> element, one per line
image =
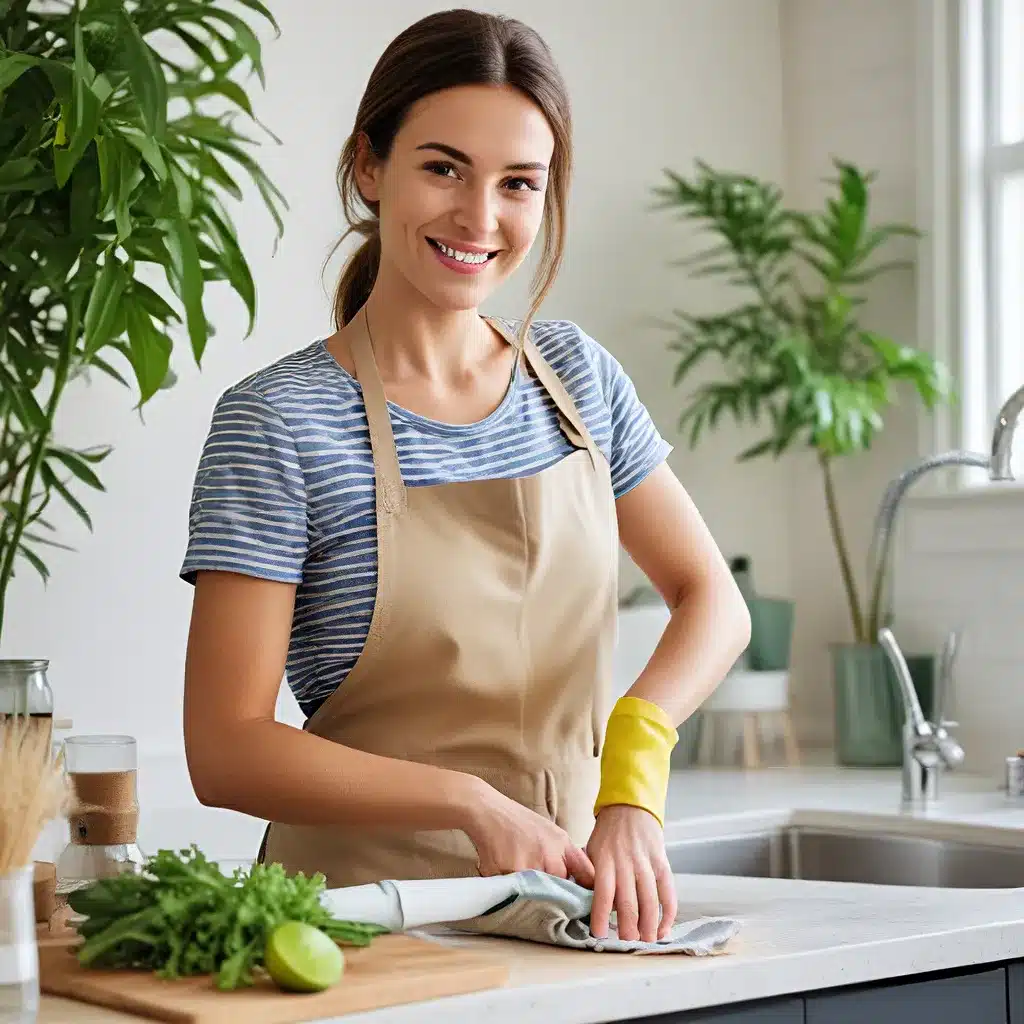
<point x="206" y="777"/>
<point x="205" y="789"/>
<point x="743" y="626"/>
<point x="737" y="613"/>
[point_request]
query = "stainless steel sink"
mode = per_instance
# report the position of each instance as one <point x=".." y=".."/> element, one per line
<point x="832" y="855"/>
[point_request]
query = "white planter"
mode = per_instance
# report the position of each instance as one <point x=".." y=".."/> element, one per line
<point x="750" y="692"/>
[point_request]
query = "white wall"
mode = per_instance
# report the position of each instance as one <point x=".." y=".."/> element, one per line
<point x="853" y="86"/>
<point x="849" y="70"/>
<point x="655" y="84"/>
<point x="962" y="566"/>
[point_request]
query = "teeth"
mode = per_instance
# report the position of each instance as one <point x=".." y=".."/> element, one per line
<point x="463" y="257"/>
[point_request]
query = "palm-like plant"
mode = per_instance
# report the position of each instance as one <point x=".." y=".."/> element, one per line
<point x="111" y="159"/>
<point x="793" y="355"/>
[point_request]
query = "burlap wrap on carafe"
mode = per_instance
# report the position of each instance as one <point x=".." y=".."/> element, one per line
<point x="106" y="808"/>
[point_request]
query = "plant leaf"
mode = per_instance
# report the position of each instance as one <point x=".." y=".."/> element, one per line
<point x="754" y="451"/>
<point x="244" y="37"/>
<point x="51" y="480"/>
<point x="82" y="131"/>
<point x="146" y="76"/>
<point x="104" y="305"/>
<point x="149" y="149"/>
<point x="12" y="67"/>
<point x="235" y="264"/>
<point x="79" y="466"/>
<point x="35" y="561"/>
<point x="149" y="351"/>
<point x="187" y="280"/>
<point x="110" y="371"/>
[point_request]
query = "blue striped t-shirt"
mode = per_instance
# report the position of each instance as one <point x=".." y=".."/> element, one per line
<point x="285" y="484"/>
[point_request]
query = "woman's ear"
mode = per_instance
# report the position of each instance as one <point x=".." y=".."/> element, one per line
<point x="367" y="168"/>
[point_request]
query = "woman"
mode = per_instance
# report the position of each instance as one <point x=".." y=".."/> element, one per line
<point x="418" y="519"/>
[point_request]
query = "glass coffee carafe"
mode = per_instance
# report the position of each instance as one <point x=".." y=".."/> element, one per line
<point x="104" y="816"/>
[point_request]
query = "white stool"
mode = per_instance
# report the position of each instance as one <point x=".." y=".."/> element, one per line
<point x="749" y="710"/>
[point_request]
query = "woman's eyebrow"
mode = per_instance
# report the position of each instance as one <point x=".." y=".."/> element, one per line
<point x="464" y="158"/>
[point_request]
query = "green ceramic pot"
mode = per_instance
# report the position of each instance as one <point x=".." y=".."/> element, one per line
<point x="868" y="706"/>
<point x="771" y="633"/>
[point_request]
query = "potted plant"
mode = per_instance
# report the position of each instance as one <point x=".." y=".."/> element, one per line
<point x="117" y="158"/>
<point x="792" y="356"/>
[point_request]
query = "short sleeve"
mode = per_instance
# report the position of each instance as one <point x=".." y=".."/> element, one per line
<point x="637" y="448"/>
<point x="248" y="511"/>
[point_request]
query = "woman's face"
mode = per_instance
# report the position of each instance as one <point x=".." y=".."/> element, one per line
<point x="462" y="192"/>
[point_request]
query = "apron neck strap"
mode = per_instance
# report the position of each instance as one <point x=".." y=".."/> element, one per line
<point x="391" y="496"/>
<point x="569" y="416"/>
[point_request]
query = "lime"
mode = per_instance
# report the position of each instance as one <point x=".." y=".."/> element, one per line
<point x="301" y="958"/>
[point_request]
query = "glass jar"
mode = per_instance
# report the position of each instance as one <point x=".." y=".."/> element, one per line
<point x="103" y="821"/>
<point x="25" y="690"/>
<point x="19" y="953"/>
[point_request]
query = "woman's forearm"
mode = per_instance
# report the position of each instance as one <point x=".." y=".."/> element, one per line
<point x="709" y="629"/>
<point x="279" y="773"/>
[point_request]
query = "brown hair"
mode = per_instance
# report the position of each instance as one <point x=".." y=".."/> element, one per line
<point x="441" y="51"/>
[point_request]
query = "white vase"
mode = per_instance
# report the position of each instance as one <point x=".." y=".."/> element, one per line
<point x="19" y="953"/>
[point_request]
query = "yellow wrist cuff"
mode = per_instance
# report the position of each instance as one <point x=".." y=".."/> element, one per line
<point x="635" y="761"/>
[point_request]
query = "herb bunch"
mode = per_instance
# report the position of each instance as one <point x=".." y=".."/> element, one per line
<point x="182" y="916"/>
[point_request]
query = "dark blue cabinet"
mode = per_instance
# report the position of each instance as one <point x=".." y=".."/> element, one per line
<point x="979" y="998"/>
<point x="782" y="1011"/>
<point x="994" y="995"/>
<point x="1015" y="992"/>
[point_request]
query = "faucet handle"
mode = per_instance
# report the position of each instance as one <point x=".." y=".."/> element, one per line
<point x="913" y="714"/>
<point x="944" y="678"/>
<point x="949" y="750"/>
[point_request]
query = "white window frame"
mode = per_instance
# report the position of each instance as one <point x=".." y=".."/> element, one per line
<point x="963" y="162"/>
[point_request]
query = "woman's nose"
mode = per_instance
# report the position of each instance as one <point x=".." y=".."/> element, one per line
<point x="477" y="212"/>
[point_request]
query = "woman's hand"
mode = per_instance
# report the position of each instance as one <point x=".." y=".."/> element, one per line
<point x="631" y="874"/>
<point x="510" y="837"/>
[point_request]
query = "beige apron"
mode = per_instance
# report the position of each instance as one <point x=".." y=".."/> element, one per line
<point x="490" y="646"/>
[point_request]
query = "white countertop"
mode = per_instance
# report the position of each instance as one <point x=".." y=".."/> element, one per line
<point x="796" y="935"/>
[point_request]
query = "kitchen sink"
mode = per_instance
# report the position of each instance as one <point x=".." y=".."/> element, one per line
<point x="837" y="855"/>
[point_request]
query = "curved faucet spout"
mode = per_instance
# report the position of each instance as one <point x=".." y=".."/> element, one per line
<point x="1002" y="436"/>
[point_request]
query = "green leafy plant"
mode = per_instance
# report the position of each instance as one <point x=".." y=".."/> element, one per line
<point x="181" y="916"/>
<point x="119" y="146"/>
<point x="792" y="354"/>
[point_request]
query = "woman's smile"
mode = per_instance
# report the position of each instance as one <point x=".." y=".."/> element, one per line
<point x="466" y="259"/>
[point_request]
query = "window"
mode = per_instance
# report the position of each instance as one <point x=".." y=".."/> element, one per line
<point x="989" y="212"/>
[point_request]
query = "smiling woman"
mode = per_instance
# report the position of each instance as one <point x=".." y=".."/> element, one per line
<point x="418" y="520"/>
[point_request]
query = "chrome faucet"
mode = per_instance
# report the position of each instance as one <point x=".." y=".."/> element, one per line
<point x="1002" y="436"/>
<point x="998" y="464"/>
<point x="928" y="748"/>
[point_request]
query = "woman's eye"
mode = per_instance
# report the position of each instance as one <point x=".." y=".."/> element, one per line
<point x="440" y="169"/>
<point x="521" y="185"/>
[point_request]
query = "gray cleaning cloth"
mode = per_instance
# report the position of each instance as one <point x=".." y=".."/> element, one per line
<point x="545" y="908"/>
<point x="529" y="905"/>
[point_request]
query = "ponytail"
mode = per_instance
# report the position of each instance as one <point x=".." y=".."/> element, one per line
<point x="356" y="281"/>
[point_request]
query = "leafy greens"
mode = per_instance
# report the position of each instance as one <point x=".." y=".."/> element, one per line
<point x="182" y="916"/>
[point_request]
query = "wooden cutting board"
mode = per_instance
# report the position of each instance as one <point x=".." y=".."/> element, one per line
<point x="392" y="970"/>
